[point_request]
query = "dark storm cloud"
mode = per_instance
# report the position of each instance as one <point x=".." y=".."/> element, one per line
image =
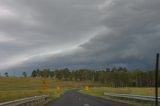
<point x="31" y="28"/>
<point x="78" y="33"/>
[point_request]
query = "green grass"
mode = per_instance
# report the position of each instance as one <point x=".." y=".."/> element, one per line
<point x="12" y="88"/>
<point x="99" y="92"/>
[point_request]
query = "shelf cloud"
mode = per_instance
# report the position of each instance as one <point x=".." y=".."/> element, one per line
<point x="78" y="34"/>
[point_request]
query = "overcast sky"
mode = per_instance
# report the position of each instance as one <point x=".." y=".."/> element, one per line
<point x="78" y="33"/>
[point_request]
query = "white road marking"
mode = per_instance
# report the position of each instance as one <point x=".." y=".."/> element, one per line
<point x="86" y="104"/>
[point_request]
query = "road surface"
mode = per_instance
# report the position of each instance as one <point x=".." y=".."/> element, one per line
<point x="74" y="98"/>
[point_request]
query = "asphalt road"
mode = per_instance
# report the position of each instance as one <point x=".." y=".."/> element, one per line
<point x="74" y="98"/>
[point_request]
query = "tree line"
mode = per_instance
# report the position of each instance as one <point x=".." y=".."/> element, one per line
<point x="115" y="77"/>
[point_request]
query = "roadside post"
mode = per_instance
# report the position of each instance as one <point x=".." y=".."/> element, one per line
<point x="44" y="85"/>
<point x="156" y="79"/>
<point x="86" y="88"/>
<point x="58" y="88"/>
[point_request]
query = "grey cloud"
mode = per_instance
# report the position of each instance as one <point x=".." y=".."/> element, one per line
<point x="131" y="36"/>
<point x="134" y="31"/>
<point x="45" y="26"/>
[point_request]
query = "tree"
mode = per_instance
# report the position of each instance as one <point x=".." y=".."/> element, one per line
<point x="115" y="77"/>
<point x="24" y="74"/>
<point x="34" y="74"/>
<point x="6" y="74"/>
<point x="137" y="77"/>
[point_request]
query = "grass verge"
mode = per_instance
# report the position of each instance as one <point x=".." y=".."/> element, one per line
<point x="12" y="88"/>
<point x="99" y="92"/>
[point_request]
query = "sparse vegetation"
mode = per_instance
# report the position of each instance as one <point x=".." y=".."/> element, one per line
<point x="99" y="92"/>
<point x="116" y="80"/>
<point x="12" y="88"/>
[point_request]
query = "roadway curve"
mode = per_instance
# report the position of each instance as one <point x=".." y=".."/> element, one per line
<point x="74" y="98"/>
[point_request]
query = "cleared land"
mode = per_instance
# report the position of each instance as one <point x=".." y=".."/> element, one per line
<point x="12" y="88"/>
